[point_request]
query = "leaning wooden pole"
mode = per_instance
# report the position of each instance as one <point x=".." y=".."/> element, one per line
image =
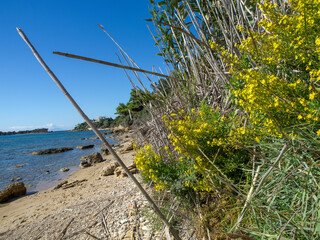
<point x="99" y="134"/>
<point x="109" y="64"/>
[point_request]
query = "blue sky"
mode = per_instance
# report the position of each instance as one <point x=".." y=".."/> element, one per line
<point x="29" y="98"/>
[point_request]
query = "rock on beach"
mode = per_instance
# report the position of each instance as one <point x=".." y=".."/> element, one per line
<point x="87" y="161"/>
<point x="13" y="190"/>
<point x="109" y="168"/>
<point x="93" y="158"/>
<point x="84" y="164"/>
<point x="104" y="151"/>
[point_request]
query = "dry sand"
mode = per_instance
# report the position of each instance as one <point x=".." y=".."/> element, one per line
<point x="94" y="207"/>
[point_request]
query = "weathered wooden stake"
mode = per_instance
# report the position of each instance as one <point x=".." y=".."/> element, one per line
<point x="99" y="134"/>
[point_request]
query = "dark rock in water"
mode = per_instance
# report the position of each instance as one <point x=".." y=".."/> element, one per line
<point x="13" y="190"/>
<point x="20" y="165"/>
<point x="85" y="146"/>
<point x="65" y="169"/>
<point x="15" y="179"/>
<point x="51" y="151"/>
<point x="84" y="164"/>
<point x="94" y="138"/>
<point x="93" y="158"/>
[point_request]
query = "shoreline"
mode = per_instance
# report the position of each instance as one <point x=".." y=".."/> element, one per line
<point x="35" y="207"/>
<point x="37" y="170"/>
<point x="46" y="185"/>
<point x="45" y="210"/>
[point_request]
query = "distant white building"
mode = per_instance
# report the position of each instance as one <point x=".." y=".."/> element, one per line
<point x="98" y="119"/>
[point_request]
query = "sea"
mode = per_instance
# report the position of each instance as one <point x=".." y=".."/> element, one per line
<point x="40" y="172"/>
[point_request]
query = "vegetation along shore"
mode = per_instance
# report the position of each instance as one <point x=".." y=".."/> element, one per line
<point x="227" y="144"/>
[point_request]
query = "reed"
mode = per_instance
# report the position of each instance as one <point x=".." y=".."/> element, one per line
<point x="248" y="167"/>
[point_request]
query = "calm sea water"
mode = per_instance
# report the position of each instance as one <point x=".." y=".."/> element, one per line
<point x="15" y="150"/>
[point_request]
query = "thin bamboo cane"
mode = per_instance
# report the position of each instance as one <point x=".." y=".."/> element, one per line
<point x="99" y="134"/>
<point x="116" y="65"/>
<point x="109" y="63"/>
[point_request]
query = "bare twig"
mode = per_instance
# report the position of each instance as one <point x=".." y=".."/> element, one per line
<point x="91" y="235"/>
<point x="63" y="232"/>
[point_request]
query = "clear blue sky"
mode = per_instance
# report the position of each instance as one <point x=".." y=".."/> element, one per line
<point x="29" y="98"/>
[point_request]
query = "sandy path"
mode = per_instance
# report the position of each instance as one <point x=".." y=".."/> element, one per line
<point x="46" y="214"/>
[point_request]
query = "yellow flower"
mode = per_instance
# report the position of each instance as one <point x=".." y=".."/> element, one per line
<point x="311" y="96"/>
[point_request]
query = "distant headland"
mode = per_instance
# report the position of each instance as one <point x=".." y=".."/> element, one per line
<point x="38" y="130"/>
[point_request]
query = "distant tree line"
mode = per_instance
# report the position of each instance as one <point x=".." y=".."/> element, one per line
<point x="38" y="130"/>
<point x="101" y="123"/>
<point x="132" y="112"/>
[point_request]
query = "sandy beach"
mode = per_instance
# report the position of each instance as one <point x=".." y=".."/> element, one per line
<point x="87" y="206"/>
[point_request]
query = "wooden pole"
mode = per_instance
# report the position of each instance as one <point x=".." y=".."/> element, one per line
<point x="119" y="66"/>
<point x="99" y="134"/>
<point x="109" y="64"/>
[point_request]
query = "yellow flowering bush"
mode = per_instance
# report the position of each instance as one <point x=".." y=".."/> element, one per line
<point x="276" y="80"/>
<point x="210" y="140"/>
<point x="159" y="168"/>
<point x="207" y="144"/>
<point x="265" y="142"/>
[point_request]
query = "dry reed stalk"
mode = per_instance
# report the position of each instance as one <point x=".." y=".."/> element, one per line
<point x="284" y="148"/>
<point x="249" y="196"/>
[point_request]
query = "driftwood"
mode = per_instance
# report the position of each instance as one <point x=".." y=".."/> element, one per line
<point x="99" y="134"/>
